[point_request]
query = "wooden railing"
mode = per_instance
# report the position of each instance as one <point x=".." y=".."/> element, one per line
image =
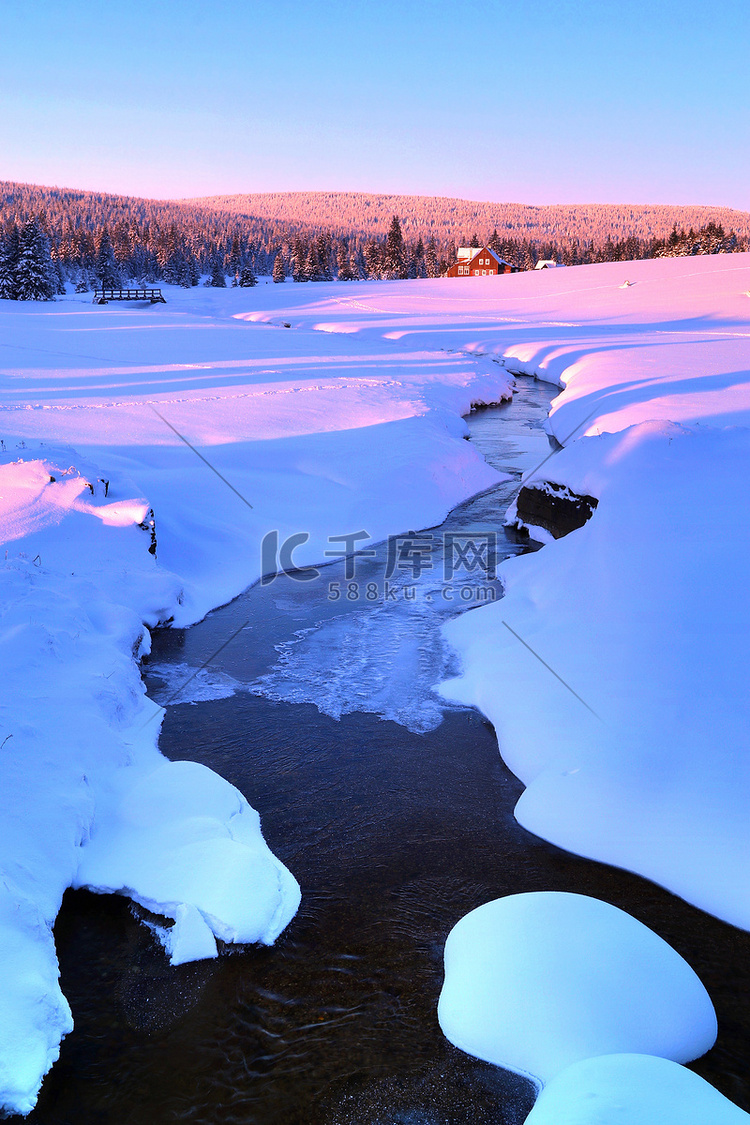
<point x="104" y="295"/>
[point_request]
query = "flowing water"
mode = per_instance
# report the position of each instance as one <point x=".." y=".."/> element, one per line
<point x="394" y="811"/>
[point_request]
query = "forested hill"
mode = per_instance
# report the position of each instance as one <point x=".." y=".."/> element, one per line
<point x="89" y="237"/>
<point x="72" y="208"/>
<point x="455" y="220"/>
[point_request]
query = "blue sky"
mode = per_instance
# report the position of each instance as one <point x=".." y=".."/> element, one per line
<point x="536" y="101"/>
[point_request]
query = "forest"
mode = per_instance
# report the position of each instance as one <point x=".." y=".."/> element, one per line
<point x="50" y="237"/>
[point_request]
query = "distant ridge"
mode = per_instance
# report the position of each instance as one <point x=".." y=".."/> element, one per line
<point x="318" y="236"/>
<point x="346" y="213"/>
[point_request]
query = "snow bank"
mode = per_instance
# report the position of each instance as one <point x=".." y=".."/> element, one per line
<point x="535" y="982"/>
<point x="87" y="800"/>
<point x="34" y="1014"/>
<point x="635" y="755"/>
<point x="320" y="434"/>
<point x="632" y="1090"/>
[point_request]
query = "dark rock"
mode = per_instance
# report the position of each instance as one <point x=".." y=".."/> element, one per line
<point x="554" y="507"/>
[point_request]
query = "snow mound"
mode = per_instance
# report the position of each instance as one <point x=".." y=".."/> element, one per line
<point x="535" y="982"/>
<point x="632" y="1090"/>
<point x="184" y="843"/>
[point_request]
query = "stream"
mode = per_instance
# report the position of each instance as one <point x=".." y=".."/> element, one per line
<point x="394" y="811"/>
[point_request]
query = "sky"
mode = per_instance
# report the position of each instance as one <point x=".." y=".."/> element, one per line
<point x="530" y="101"/>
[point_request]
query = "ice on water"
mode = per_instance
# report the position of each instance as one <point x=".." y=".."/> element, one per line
<point x="384" y="661"/>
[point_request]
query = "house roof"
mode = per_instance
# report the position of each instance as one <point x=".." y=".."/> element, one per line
<point x="467" y="254"/>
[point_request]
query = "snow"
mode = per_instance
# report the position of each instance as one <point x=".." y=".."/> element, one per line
<point x="181" y="834"/>
<point x="536" y="982"/>
<point x="637" y="759"/>
<point x="87" y="800"/>
<point x="632" y="1090"/>
<point x="351" y="421"/>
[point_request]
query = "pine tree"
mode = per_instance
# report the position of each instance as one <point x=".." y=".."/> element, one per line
<point x="185" y="275"/>
<point x="35" y="271"/>
<point x="106" y="268"/>
<point x="432" y="266"/>
<point x="373" y="258"/>
<point x="234" y="261"/>
<point x="394" y="250"/>
<point x="9" y="254"/>
<point x="247" y="277"/>
<point x="312" y="264"/>
<point x="279" y="273"/>
<point x="174" y="267"/>
<point x="343" y="263"/>
<point x="58" y="278"/>
<point x="323" y="253"/>
<point x="299" y="261"/>
<point x="217" y="280"/>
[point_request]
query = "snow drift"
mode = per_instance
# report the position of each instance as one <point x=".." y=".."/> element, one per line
<point x="632" y="1090"/>
<point x="536" y="982"/>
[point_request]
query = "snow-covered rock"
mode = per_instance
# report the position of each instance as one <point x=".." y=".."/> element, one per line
<point x="632" y="1090"/>
<point x="535" y="982"/>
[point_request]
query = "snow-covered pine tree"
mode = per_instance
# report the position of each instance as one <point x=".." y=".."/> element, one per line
<point x="35" y="271"/>
<point x="279" y="273"/>
<point x="373" y="259"/>
<point x="234" y="260"/>
<point x="431" y="264"/>
<point x="173" y="266"/>
<point x="185" y="275"/>
<point x="9" y="254"/>
<point x="195" y="268"/>
<point x="106" y="268"/>
<point x="299" y="261"/>
<point x="58" y="278"/>
<point x="343" y="262"/>
<point x="217" y="280"/>
<point x="395" y="265"/>
<point x="247" y="277"/>
<point x="323" y="249"/>
<point x="312" y="264"/>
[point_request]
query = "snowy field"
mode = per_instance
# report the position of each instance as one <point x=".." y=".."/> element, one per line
<point x="325" y="410"/>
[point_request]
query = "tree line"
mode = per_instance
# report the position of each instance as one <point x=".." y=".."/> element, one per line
<point x="103" y="243"/>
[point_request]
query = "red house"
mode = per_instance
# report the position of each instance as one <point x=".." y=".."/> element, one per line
<point x="476" y="261"/>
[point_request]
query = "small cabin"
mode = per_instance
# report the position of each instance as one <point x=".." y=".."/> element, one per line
<point x="478" y="261"/>
<point x="547" y="264"/>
